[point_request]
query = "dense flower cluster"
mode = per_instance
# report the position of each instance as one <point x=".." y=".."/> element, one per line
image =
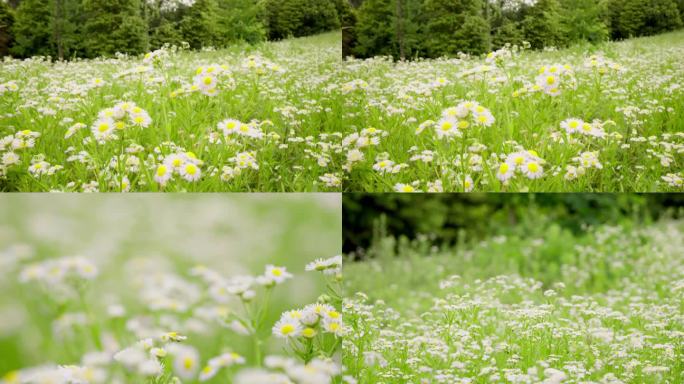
<point x="595" y="314"/>
<point x="258" y="121"/>
<point x="607" y="120"/>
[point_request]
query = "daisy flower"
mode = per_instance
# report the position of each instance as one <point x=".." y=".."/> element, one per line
<point x="185" y="362"/>
<point x="190" y="172"/>
<point x="384" y="166"/>
<point x="533" y="170"/>
<point x="276" y="275"/>
<point x="406" y="188"/>
<point x="572" y="125"/>
<point x="163" y="174"/>
<point x="103" y="128"/>
<point x="287" y="328"/>
<point x="505" y="172"/>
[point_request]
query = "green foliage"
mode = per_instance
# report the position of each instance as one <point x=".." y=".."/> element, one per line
<point x="582" y="21"/>
<point x="507" y="33"/>
<point x="69" y="28"/>
<point x="445" y="27"/>
<point x="65" y="24"/>
<point x="6" y="22"/>
<point x="114" y="26"/>
<point x="240" y="21"/>
<point x="32" y="35"/>
<point x="454" y="218"/>
<point x="200" y="25"/>
<point x="165" y="33"/>
<point x="374" y="32"/>
<point x="632" y="18"/>
<point x="541" y="25"/>
<point x="454" y="27"/>
<point x="296" y="18"/>
<point x="348" y="20"/>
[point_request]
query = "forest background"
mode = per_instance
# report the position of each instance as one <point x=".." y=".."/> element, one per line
<point x="435" y="28"/>
<point x="68" y="29"/>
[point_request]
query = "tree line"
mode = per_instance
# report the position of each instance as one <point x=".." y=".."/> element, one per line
<point x="435" y="28"/>
<point x="92" y="28"/>
<point x="448" y="217"/>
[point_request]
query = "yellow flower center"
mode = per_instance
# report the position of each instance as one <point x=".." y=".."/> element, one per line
<point x="533" y="167"/>
<point x="188" y="363"/>
<point x="286" y="329"/>
<point x="503" y="169"/>
<point x="191" y="169"/>
<point x="333" y="314"/>
<point x="161" y="171"/>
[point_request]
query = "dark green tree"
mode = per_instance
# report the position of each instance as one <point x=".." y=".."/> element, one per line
<point x="541" y="25"/>
<point x="65" y="24"/>
<point x="6" y="22"/>
<point x="374" y="32"/>
<point x="240" y="20"/>
<point x="632" y="18"/>
<point x="660" y="16"/>
<point x="508" y="32"/>
<point x="456" y="26"/>
<point x="582" y="21"/>
<point x="114" y="26"/>
<point x="348" y="22"/>
<point x="200" y="24"/>
<point x="31" y="29"/>
<point x="285" y="18"/>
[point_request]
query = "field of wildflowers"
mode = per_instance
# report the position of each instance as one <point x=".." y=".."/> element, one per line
<point x="163" y="289"/>
<point x="602" y="306"/>
<point x="589" y="118"/>
<point x="242" y="119"/>
<point x="290" y="116"/>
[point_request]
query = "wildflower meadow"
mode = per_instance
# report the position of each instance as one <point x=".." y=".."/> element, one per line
<point x="157" y="289"/>
<point x="603" y="117"/>
<point x="531" y="303"/>
<point x="246" y="118"/>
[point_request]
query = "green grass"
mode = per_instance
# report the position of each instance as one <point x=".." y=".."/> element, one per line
<point x="639" y="106"/>
<point x="600" y="306"/>
<point x="292" y="109"/>
<point x="145" y="249"/>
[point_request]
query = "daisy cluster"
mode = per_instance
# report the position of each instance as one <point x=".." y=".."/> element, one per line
<point x="182" y="313"/>
<point x="122" y="116"/>
<point x="597" y="314"/>
<point x="617" y="110"/>
<point x="457" y="119"/>
<point x="231" y="108"/>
